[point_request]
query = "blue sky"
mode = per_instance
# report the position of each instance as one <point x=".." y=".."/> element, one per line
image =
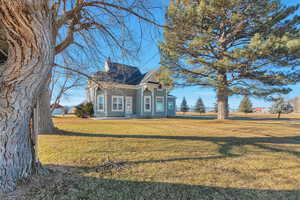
<point x="149" y="58"/>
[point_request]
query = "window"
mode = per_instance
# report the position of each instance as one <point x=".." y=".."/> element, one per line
<point x="170" y="106"/>
<point x="100" y="103"/>
<point x="147" y="103"/>
<point x="117" y="103"/>
<point x="128" y="105"/>
<point x="160" y="104"/>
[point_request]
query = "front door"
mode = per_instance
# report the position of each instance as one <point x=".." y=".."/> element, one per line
<point x="128" y="107"/>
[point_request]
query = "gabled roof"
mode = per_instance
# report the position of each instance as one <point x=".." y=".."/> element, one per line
<point x="149" y="77"/>
<point x="123" y="74"/>
<point x="57" y="106"/>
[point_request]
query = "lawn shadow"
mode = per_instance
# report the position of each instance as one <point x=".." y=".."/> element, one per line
<point x="241" y="140"/>
<point x="225" y="144"/>
<point x="209" y="117"/>
<point x="61" y="184"/>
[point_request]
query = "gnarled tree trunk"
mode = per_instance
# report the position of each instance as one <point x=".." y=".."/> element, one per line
<point x="28" y="28"/>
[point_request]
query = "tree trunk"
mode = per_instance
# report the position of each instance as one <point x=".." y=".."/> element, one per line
<point x="222" y="99"/>
<point x="278" y="116"/>
<point x="28" y="28"/>
<point x="43" y="113"/>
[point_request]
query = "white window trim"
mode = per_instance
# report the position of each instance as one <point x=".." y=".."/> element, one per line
<point x="160" y="89"/>
<point x="163" y="102"/>
<point x="131" y="99"/>
<point x="147" y="110"/>
<point x="112" y="104"/>
<point x="97" y="101"/>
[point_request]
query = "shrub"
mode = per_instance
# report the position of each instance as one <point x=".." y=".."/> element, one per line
<point x="89" y="109"/>
<point x="84" y="110"/>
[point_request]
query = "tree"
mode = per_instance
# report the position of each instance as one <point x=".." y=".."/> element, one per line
<point x="184" y="107"/>
<point x="246" y="105"/>
<point x="200" y="106"/>
<point x="234" y="46"/>
<point x="281" y="107"/>
<point x="36" y="31"/>
<point x="164" y="76"/>
<point x="215" y="108"/>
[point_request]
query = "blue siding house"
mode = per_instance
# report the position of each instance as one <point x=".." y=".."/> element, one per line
<point x="123" y="91"/>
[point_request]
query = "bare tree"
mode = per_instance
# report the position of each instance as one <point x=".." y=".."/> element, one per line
<point x="35" y="32"/>
<point x="89" y="27"/>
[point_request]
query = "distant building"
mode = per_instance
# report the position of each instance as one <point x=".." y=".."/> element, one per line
<point x="58" y="109"/>
<point x="261" y="109"/>
<point x="295" y="102"/>
<point x="72" y="110"/>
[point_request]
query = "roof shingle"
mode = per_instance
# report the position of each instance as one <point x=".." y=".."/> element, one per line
<point x="120" y="73"/>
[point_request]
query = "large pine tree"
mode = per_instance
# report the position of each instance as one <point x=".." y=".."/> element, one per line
<point x="246" y="105"/>
<point x="234" y="46"/>
<point x="200" y="108"/>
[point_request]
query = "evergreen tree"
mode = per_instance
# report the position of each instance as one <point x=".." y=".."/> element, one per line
<point x="234" y="46"/>
<point x="200" y="106"/>
<point x="184" y="107"/>
<point x="164" y="76"/>
<point x="281" y="107"/>
<point x="84" y="110"/>
<point x="246" y="105"/>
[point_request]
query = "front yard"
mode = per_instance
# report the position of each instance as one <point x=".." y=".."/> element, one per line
<point x="186" y="158"/>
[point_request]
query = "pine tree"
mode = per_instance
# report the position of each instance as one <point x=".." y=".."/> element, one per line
<point x="234" y="46"/>
<point x="281" y="107"/>
<point x="164" y="76"/>
<point x="200" y="106"/>
<point x="184" y="107"/>
<point x="246" y="105"/>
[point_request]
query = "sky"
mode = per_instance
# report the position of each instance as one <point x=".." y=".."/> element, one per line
<point x="149" y="58"/>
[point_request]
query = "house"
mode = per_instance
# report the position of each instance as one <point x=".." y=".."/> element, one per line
<point x="261" y="109"/>
<point x="123" y="91"/>
<point x="295" y="102"/>
<point x="58" y="109"/>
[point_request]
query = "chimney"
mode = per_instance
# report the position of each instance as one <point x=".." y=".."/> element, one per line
<point x="107" y="64"/>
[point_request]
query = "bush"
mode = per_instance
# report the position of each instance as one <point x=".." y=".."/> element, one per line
<point x="89" y="109"/>
<point x="84" y="110"/>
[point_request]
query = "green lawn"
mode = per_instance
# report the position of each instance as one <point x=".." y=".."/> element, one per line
<point x="249" y="157"/>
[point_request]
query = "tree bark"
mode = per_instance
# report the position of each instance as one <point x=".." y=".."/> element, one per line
<point x="43" y="113"/>
<point x="28" y="28"/>
<point x="222" y="95"/>
<point x="222" y="99"/>
<point x="278" y="116"/>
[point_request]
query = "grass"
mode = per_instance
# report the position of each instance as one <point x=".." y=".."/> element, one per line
<point x="250" y="157"/>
